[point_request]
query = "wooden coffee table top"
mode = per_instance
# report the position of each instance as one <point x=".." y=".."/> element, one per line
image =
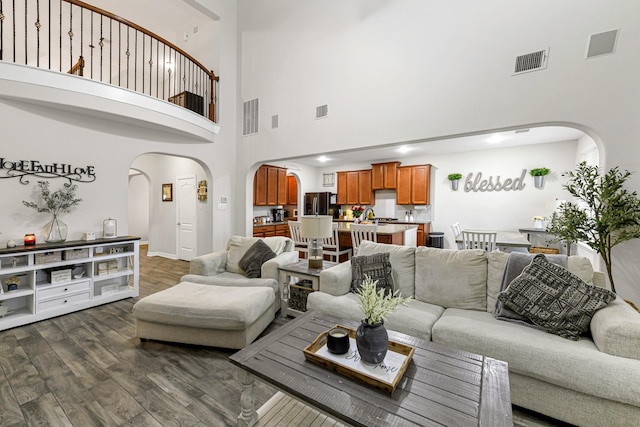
<point x="441" y="385"/>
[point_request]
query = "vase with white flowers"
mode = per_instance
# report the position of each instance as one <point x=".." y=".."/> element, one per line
<point x="55" y="203"/>
<point x="372" y="339"/>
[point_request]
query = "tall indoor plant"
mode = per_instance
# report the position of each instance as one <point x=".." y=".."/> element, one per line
<point x="55" y="203"/>
<point x="604" y="214"/>
<point x="371" y="336"/>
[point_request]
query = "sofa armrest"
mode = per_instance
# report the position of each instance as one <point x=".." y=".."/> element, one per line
<point x="209" y="264"/>
<point x="336" y="280"/>
<point x="616" y="330"/>
<point x="271" y="268"/>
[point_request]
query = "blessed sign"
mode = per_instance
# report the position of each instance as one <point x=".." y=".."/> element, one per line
<point x="23" y="169"/>
<point x="476" y="183"/>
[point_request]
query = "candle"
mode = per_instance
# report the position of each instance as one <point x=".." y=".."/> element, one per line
<point x="29" y="239"/>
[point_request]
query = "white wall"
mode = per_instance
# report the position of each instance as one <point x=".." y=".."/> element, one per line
<point x="410" y="70"/>
<point x="138" y="209"/>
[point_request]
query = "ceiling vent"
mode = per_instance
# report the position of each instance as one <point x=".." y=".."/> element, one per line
<point x="322" y="111"/>
<point x="250" y="114"/>
<point x="274" y="121"/>
<point x="531" y="62"/>
<point x="602" y="43"/>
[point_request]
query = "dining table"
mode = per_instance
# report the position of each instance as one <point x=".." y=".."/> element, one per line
<point x="510" y="239"/>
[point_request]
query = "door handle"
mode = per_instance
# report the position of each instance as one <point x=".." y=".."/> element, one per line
<point x="179" y="224"/>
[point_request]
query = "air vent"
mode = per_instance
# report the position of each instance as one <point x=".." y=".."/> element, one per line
<point x="274" y="121"/>
<point x="322" y="111"/>
<point x="250" y="114"/>
<point x="531" y="62"/>
<point x="602" y="43"/>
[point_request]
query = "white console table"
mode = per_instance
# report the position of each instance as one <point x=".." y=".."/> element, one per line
<point x="60" y="278"/>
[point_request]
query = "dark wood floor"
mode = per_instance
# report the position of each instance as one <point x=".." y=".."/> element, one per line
<point x="88" y="369"/>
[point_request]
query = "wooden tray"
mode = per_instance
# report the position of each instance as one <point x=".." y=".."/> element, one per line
<point x="380" y="376"/>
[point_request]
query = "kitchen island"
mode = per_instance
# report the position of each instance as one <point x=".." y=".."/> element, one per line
<point x="397" y="234"/>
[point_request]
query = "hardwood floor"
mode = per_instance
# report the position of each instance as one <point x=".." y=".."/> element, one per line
<point x="88" y="369"/>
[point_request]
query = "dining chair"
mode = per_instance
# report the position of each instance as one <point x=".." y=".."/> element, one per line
<point x="360" y="232"/>
<point x="485" y="240"/>
<point x="331" y="245"/>
<point x="457" y="231"/>
<point x="300" y="244"/>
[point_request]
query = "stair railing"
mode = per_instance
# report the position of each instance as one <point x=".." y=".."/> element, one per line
<point x="100" y="45"/>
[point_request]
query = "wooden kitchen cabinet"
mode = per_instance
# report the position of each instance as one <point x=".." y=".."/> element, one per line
<point x="365" y="192"/>
<point x="341" y="197"/>
<point x="413" y="183"/>
<point x="384" y="175"/>
<point x="292" y="190"/>
<point x="282" y="187"/>
<point x="270" y="186"/>
<point x="354" y="188"/>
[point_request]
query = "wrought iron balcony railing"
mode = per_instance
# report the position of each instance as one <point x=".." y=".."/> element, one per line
<point x="74" y="37"/>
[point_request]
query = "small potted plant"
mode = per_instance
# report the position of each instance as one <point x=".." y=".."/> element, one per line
<point x="455" y="179"/>
<point x="538" y="176"/>
<point x="371" y="336"/>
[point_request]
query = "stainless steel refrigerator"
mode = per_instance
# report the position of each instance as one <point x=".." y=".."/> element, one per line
<point x="324" y="203"/>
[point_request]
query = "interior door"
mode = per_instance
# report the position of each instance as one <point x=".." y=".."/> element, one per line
<point x="186" y="206"/>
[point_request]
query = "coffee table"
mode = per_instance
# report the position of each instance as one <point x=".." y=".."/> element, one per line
<point x="440" y="386"/>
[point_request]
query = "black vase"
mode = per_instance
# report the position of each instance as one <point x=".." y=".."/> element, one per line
<point x="372" y="342"/>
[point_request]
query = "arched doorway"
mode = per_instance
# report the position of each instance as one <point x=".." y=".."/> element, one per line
<point x="179" y="219"/>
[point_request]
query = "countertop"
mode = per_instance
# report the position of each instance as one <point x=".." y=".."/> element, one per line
<point x="389" y="228"/>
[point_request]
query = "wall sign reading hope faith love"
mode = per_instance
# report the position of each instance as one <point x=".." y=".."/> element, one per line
<point x="476" y="183"/>
<point x="23" y="169"/>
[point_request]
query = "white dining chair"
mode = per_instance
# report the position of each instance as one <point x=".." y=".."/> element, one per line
<point x="331" y="245"/>
<point x="300" y="244"/>
<point x="473" y="239"/>
<point x="360" y="232"/>
<point x="457" y="231"/>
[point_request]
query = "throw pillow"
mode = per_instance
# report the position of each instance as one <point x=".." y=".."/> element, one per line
<point x="253" y="259"/>
<point x="552" y="297"/>
<point x="376" y="266"/>
<point x="516" y="262"/>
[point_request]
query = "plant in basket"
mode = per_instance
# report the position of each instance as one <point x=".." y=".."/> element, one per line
<point x="371" y="336"/>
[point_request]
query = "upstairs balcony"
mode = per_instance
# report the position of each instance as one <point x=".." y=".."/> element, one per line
<point x="76" y="57"/>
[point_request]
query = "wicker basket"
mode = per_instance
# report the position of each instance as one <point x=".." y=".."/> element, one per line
<point x="298" y="294"/>
<point x="541" y="250"/>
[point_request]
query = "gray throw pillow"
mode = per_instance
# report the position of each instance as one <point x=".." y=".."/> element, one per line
<point x="251" y="262"/>
<point x="376" y="266"/>
<point x="555" y="299"/>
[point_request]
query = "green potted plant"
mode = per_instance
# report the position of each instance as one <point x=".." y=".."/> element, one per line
<point x="57" y="202"/>
<point x="538" y="175"/>
<point x="455" y="179"/>
<point x="604" y="215"/>
<point x="372" y="339"/>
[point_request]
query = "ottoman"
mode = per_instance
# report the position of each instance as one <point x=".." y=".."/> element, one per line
<point x="217" y="316"/>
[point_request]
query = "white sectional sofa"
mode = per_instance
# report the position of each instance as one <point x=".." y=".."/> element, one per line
<point x="594" y="381"/>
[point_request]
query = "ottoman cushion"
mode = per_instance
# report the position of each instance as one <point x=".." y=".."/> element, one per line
<point x="206" y="306"/>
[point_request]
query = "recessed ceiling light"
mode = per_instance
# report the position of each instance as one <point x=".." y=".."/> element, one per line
<point x="323" y="159"/>
<point x="403" y="149"/>
<point x="495" y="138"/>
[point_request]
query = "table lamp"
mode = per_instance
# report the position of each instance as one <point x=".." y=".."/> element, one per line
<point x="315" y="228"/>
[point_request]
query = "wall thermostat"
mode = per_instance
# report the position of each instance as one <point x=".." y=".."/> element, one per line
<point x="89" y="235"/>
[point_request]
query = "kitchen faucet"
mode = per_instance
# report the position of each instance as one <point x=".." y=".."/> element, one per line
<point x="365" y="214"/>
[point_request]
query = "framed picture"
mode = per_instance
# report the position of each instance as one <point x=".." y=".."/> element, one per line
<point x="167" y="192"/>
<point x="328" y="180"/>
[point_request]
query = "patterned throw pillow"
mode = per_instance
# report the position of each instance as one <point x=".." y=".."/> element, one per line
<point x="376" y="266"/>
<point x="253" y="259"/>
<point x="554" y="298"/>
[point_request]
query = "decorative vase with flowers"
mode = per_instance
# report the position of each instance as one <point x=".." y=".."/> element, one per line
<point x="372" y="339"/>
<point x="55" y="203"/>
<point x="357" y="211"/>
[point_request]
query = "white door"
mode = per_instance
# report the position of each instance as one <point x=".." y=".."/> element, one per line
<point x="186" y="206"/>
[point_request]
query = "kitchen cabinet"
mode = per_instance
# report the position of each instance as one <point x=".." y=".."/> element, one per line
<point x="282" y="187"/>
<point x="354" y="188"/>
<point x="384" y="175"/>
<point x="292" y="190"/>
<point x="270" y="186"/>
<point x="271" y="230"/>
<point x="413" y="185"/>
